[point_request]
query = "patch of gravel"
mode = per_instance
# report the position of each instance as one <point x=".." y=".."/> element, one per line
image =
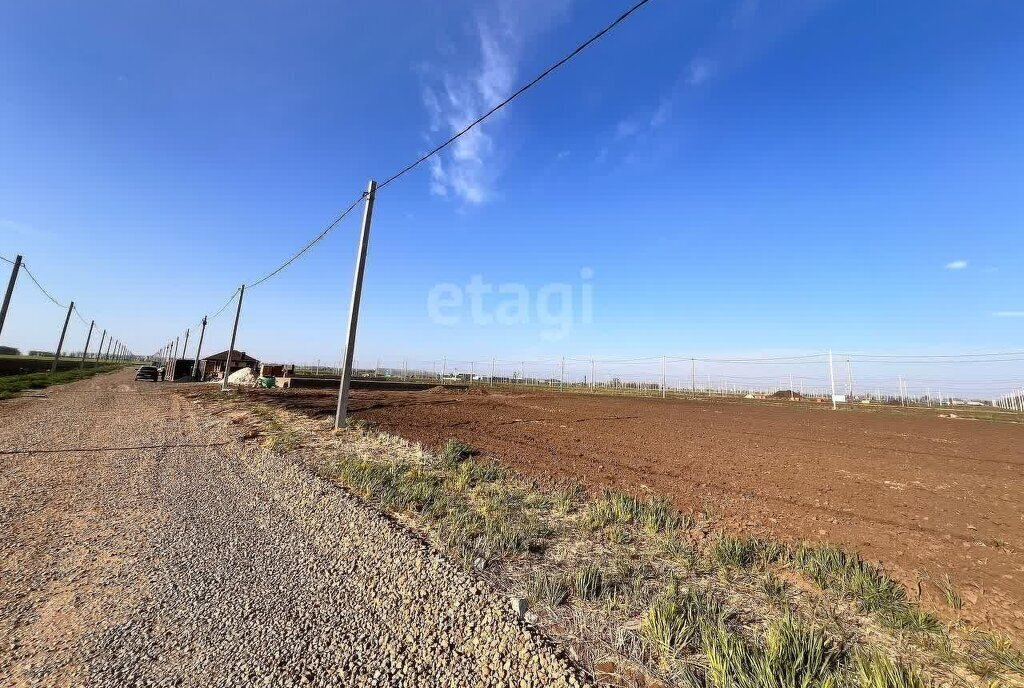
<point x="205" y="561"/>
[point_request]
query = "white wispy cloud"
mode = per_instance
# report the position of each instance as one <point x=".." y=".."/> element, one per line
<point x="956" y="264"/>
<point x="1009" y="314"/>
<point x="699" y="71"/>
<point x="453" y="97"/>
<point x="626" y="128"/>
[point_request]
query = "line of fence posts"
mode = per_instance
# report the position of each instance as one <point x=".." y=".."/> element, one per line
<point x="234" y="333"/>
<point x="63" y="333"/>
<point x="85" y="351"/>
<point x="199" y="349"/>
<point x="15" y="269"/>
<point x="341" y="413"/>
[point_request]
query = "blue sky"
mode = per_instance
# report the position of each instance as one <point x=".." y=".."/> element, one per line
<point x="740" y="177"/>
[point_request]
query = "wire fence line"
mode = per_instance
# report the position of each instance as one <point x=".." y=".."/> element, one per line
<point x="849" y="378"/>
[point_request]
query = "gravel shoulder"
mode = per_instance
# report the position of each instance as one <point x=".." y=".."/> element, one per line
<point x="143" y="543"/>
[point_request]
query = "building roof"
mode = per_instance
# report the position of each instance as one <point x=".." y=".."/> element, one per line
<point x="236" y="356"/>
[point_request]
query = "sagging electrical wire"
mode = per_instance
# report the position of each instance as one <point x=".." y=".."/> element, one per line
<point x="24" y="266"/>
<point x="469" y="127"/>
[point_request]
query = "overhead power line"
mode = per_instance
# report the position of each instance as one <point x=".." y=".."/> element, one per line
<point x="226" y="304"/>
<point x="313" y="242"/>
<point x="901" y="357"/>
<point x="523" y="89"/>
<point x="423" y="158"/>
<point x="7" y="260"/>
<point x="80" y="316"/>
<point x="36" y="282"/>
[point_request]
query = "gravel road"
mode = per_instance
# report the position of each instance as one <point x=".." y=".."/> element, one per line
<point x="143" y="543"/>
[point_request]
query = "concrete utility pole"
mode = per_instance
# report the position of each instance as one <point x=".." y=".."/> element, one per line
<point x="663" y="364"/>
<point x="234" y="332"/>
<point x="175" y="353"/>
<point x="110" y="341"/>
<point x="60" y="342"/>
<point x="10" y="290"/>
<point x="832" y="379"/>
<point x="202" y="333"/>
<point x="561" y="375"/>
<point x="693" y="377"/>
<point x="99" y="351"/>
<point x="85" y="351"/>
<point x="353" y="311"/>
<point x="184" y="348"/>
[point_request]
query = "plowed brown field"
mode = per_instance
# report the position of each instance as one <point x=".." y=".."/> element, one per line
<point x="925" y="495"/>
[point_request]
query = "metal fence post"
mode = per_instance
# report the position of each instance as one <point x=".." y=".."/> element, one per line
<point x="99" y="351"/>
<point x="85" y="351"/>
<point x="10" y="290"/>
<point x="202" y="333"/>
<point x="60" y="342"/>
<point x="234" y="332"/>
<point x="832" y="379"/>
<point x="353" y="313"/>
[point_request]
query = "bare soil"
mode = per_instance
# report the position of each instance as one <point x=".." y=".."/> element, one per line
<point x="927" y="496"/>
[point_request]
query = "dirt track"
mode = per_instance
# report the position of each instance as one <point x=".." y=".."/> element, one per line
<point x="145" y="542"/>
<point x="927" y="496"/>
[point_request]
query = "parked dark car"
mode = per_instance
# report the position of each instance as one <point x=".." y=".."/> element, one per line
<point x="147" y="373"/>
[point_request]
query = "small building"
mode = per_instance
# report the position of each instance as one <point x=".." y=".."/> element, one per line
<point x="212" y="367"/>
<point x="277" y="370"/>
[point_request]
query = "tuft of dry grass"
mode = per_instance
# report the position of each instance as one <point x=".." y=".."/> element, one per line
<point x="588" y="582"/>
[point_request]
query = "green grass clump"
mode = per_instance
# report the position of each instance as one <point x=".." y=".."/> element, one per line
<point x="953" y="598"/>
<point x="775" y="588"/>
<point x="566" y="499"/>
<point x="878" y="670"/>
<point x="588" y="582"/>
<point x="730" y="550"/>
<point x="910" y="617"/>
<point x="549" y="589"/>
<point x="611" y="507"/>
<point x="848" y="574"/>
<point x="453" y="452"/>
<point x="677" y="620"/>
<point x="790" y="655"/>
<point x="657" y="515"/>
<point x="654" y="514"/>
